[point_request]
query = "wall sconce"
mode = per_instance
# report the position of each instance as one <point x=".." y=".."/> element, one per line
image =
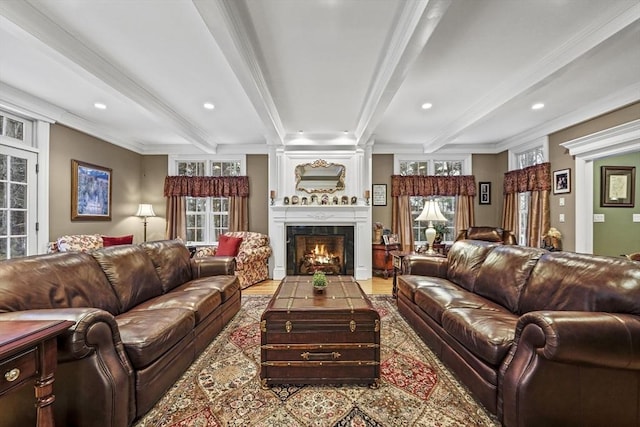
<point x="367" y="195"/>
<point x="272" y="196"/>
<point x="145" y="211"/>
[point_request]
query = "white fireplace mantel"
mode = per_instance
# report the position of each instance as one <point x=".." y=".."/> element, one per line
<point x="358" y="216"/>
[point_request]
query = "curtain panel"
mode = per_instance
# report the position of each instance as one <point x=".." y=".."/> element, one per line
<point x="420" y="185"/>
<point x="206" y="186"/>
<point x="532" y="178"/>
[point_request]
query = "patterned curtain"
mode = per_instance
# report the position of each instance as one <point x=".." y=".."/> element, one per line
<point x="176" y="188"/>
<point x="403" y="187"/>
<point x="536" y="180"/>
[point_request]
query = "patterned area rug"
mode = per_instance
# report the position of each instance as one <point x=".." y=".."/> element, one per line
<point x="222" y="387"/>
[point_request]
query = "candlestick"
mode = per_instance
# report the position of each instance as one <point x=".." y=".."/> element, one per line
<point x="272" y="195"/>
<point x="367" y="194"/>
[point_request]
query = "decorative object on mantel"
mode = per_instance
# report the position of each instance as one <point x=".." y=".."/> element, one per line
<point x="314" y="199"/>
<point x="285" y="200"/>
<point x="319" y="282"/>
<point x="367" y="195"/>
<point x="320" y="177"/>
<point x="431" y="212"/>
<point x="145" y="210"/>
<point x="272" y="196"/>
<point x="295" y="200"/>
<point x="552" y="241"/>
<point x="354" y="200"/>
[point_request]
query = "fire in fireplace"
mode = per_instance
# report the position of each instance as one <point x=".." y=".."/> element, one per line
<point x="319" y="248"/>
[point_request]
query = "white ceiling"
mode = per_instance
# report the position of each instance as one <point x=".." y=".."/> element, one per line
<point x="345" y="72"/>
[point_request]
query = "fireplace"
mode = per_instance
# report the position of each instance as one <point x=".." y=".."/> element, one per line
<point x="320" y="248"/>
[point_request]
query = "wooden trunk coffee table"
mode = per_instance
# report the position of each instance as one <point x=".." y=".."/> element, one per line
<point x="332" y="338"/>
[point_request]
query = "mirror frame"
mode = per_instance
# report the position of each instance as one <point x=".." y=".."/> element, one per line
<point x="306" y="169"/>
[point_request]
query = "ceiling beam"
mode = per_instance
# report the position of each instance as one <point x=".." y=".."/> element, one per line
<point x="523" y="81"/>
<point x="230" y="25"/>
<point x="415" y="24"/>
<point x="29" y="18"/>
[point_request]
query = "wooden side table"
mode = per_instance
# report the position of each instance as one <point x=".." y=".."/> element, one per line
<point x="382" y="260"/>
<point x="398" y="256"/>
<point x="28" y="351"/>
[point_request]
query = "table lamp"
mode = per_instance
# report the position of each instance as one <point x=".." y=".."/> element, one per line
<point x="145" y="210"/>
<point x="431" y="212"/>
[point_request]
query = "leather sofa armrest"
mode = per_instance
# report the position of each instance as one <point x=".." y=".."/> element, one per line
<point x="93" y="328"/>
<point x="424" y="265"/>
<point x="213" y="266"/>
<point x="595" y="338"/>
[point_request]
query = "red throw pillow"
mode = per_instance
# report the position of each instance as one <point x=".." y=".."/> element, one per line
<point x="114" y="241"/>
<point x="228" y="246"/>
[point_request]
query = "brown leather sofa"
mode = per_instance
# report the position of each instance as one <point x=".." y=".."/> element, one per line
<point x="540" y="338"/>
<point x="142" y="314"/>
<point x="488" y="234"/>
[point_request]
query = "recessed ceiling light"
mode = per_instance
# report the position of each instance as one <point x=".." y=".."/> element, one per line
<point x="426" y="105"/>
<point x="100" y="106"/>
<point x="537" y="106"/>
<point x="208" y="106"/>
<point x="300" y="132"/>
<point x="345" y="132"/>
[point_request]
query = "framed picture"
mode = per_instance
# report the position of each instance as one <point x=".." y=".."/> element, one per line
<point x="485" y="193"/>
<point x="379" y="194"/>
<point x="562" y="181"/>
<point x="617" y="186"/>
<point x="90" y="192"/>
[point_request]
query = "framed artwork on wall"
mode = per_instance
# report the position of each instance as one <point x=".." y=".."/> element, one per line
<point x="90" y="192"/>
<point x="617" y="186"/>
<point x="485" y="193"/>
<point x="562" y="181"/>
<point x="379" y="194"/>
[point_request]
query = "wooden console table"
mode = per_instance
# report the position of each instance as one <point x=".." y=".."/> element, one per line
<point x="382" y="260"/>
<point x="28" y="351"/>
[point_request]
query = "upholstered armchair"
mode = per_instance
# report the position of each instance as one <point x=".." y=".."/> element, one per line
<point x="86" y="242"/>
<point x="488" y="234"/>
<point x="252" y="258"/>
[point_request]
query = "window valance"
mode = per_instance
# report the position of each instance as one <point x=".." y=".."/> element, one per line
<point x="206" y="186"/>
<point x="532" y="178"/>
<point x="420" y="185"/>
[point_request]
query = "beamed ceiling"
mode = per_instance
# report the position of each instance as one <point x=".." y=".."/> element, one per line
<point x="325" y="74"/>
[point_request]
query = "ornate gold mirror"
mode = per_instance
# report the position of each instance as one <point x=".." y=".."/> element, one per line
<point x="320" y="177"/>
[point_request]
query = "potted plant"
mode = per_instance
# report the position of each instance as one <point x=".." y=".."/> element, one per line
<point x="319" y="282"/>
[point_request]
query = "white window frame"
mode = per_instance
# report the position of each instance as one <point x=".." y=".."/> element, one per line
<point x="523" y="198"/>
<point x="209" y="233"/>
<point x="465" y="159"/>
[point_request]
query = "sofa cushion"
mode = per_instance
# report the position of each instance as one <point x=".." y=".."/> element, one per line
<point x="487" y="332"/>
<point x="436" y="300"/>
<point x="119" y="240"/>
<point x="147" y="334"/>
<point x="465" y="258"/>
<point x="58" y="280"/>
<point x="409" y="284"/>
<point x="79" y="243"/>
<point x="504" y="273"/>
<point x="130" y="272"/>
<point x="202" y="302"/>
<point x="228" y="246"/>
<point x="227" y="286"/>
<point x="488" y="234"/>
<point x="573" y="281"/>
<point x="172" y="261"/>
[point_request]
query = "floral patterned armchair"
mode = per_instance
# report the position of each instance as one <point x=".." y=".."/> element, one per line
<point x="76" y="243"/>
<point x="252" y="261"/>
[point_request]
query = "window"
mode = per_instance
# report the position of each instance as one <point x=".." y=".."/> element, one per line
<point x="207" y="217"/>
<point x="453" y="167"/>
<point x="14" y="128"/>
<point x="531" y="157"/>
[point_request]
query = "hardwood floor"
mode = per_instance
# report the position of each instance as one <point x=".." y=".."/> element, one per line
<point x="375" y="286"/>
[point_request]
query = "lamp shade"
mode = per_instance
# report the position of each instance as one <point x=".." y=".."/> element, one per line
<point x="145" y="210"/>
<point x="431" y="212"/>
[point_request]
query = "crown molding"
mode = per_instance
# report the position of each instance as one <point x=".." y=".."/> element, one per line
<point x="554" y="61"/>
<point x="229" y="24"/>
<point x="415" y="23"/>
<point x="619" y="139"/>
<point x="52" y="37"/>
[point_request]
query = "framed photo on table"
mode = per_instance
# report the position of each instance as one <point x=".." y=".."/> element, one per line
<point x="379" y="194"/>
<point x="562" y="181"/>
<point x="617" y="186"/>
<point x="90" y="192"/>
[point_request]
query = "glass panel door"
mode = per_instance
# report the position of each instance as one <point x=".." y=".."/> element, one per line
<point x="18" y="202"/>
